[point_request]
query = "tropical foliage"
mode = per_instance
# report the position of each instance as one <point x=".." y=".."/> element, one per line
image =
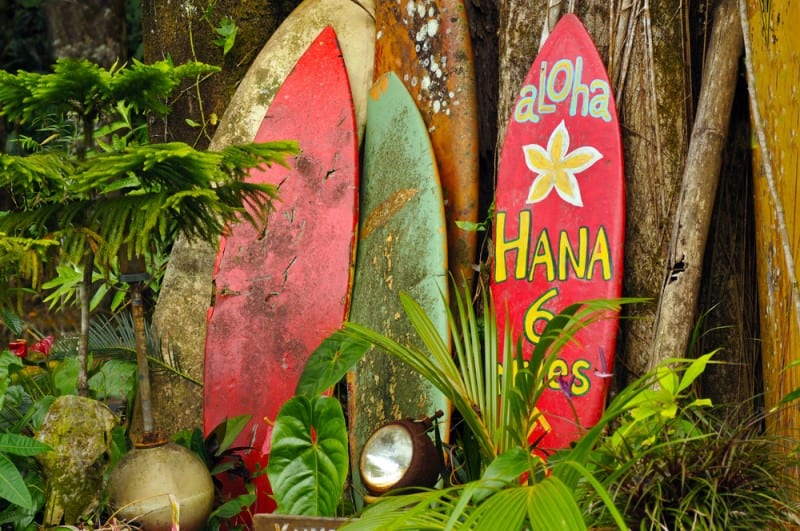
<point x="89" y="180"/>
<point x="87" y="192"/>
<point x="657" y="459"/>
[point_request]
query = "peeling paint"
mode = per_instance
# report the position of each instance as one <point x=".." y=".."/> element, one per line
<point x="383" y="212"/>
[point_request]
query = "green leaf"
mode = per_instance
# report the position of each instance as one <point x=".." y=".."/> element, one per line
<point x="115" y="378"/>
<point x="548" y="504"/>
<point x="65" y="377"/>
<point x="694" y="370"/>
<point x="505" y="469"/>
<point x="233" y="507"/>
<point x="15" y="444"/>
<point x="231" y="429"/>
<point x="227" y="31"/>
<point x="308" y="459"/>
<point x="12" y="486"/>
<point x="329" y="363"/>
<point x="788" y="397"/>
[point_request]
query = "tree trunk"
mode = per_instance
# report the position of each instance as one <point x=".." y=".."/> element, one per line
<point x="184" y="31"/>
<point x="773" y="71"/>
<point x="89" y="29"/>
<point x="677" y="308"/>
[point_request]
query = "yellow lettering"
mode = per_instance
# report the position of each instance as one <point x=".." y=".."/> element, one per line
<point x="518" y="244"/>
<point x="544" y="108"/>
<point x="543" y="255"/>
<point x="557" y="368"/>
<point x="581" y="382"/>
<point x="536" y="313"/>
<point x="600" y="255"/>
<point x="568" y="257"/>
<point x="579" y="89"/>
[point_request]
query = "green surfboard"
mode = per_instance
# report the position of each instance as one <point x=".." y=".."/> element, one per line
<point x="402" y="247"/>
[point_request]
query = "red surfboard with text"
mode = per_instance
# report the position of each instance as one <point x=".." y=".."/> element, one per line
<point x="560" y="221"/>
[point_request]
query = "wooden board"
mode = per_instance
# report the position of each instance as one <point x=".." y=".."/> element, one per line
<point x="427" y="44"/>
<point x="776" y="64"/>
<point x="401" y="247"/>
<point x="281" y="292"/>
<point x="559" y="224"/>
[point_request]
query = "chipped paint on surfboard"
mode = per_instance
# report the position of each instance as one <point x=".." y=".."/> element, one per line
<point x="276" y="299"/>
<point x="559" y="223"/>
<point x="402" y="247"/>
<point x="427" y="44"/>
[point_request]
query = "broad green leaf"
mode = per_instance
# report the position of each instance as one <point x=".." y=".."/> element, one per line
<point x="667" y="379"/>
<point x="115" y="378"/>
<point x="506" y="468"/>
<point x="694" y="370"/>
<point x="308" y="461"/>
<point x="227" y="31"/>
<point x="15" y="444"/>
<point x="12" y="486"/>
<point x="329" y="363"/>
<point x="65" y="377"/>
<point x="8" y="363"/>
<point x="701" y="402"/>
<point x="232" y="427"/>
<point x="547" y="505"/>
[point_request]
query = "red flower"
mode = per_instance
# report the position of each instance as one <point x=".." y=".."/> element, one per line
<point x="18" y="348"/>
<point x="44" y="345"/>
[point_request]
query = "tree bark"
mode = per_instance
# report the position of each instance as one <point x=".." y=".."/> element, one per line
<point x="678" y="303"/>
<point x="185" y="31"/>
<point x="89" y="29"/>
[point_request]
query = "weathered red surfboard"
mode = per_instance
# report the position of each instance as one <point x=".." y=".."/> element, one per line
<point x="559" y="222"/>
<point x="279" y="293"/>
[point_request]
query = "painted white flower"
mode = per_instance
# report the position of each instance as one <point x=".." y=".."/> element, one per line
<point x="555" y="168"/>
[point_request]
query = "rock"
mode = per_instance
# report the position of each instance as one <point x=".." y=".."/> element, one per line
<point x="78" y="430"/>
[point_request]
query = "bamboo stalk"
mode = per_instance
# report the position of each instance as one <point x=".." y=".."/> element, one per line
<point x="761" y="136"/>
<point x="678" y="302"/>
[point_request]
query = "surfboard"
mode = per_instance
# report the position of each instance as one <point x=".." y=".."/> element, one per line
<point x="280" y="292"/>
<point x="354" y="23"/>
<point x="402" y="246"/>
<point x="180" y="315"/>
<point x="776" y="71"/>
<point x="427" y="44"/>
<point x="559" y="222"/>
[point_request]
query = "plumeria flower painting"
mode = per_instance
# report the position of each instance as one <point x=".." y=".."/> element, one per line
<point x="557" y="168"/>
